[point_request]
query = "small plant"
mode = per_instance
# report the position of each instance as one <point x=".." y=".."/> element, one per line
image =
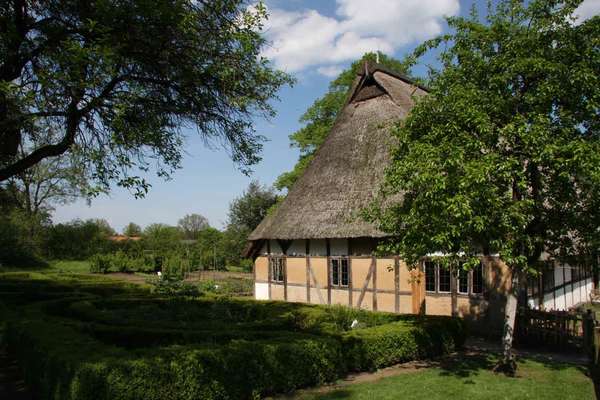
<point x="342" y="317"/>
<point x="170" y="285"/>
<point x="100" y="263"/>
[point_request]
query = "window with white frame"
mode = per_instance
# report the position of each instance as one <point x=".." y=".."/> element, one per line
<point x="340" y="274"/>
<point x="438" y="279"/>
<point x="277" y="269"/>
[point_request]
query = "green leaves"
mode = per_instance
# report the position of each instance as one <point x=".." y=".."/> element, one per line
<point x="503" y="155"/>
<point x="125" y="81"/>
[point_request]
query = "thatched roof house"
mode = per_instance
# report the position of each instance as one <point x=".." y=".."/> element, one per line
<point x="316" y="248"/>
<point x="348" y="167"/>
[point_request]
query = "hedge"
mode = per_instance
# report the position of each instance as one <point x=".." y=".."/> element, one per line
<point x="98" y="342"/>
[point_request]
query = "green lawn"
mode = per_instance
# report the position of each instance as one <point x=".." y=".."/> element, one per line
<point x="471" y="378"/>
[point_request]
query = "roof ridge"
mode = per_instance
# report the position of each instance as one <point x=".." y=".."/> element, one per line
<point x="372" y="67"/>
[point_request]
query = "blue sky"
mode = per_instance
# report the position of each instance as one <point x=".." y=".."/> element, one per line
<point x="313" y="40"/>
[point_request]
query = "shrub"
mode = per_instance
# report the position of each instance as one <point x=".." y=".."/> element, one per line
<point x="385" y="345"/>
<point x="173" y="286"/>
<point x="88" y="339"/>
<point x="100" y="263"/>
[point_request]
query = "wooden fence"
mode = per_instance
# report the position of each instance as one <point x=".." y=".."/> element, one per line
<point x="559" y="330"/>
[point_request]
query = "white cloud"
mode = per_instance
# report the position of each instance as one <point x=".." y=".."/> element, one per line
<point x="587" y="9"/>
<point x="302" y="39"/>
<point x="330" y="71"/>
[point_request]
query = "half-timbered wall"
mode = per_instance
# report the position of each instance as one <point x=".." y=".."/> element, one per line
<point x="386" y="284"/>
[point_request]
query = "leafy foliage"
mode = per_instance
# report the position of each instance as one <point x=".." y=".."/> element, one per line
<point x="77" y="240"/>
<point x="503" y="156"/>
<point x="248" y="210"/>
<point x="320" y="116"/>
<point x="132" y="229"/>
<point x="94" y="339"/>
<point x="116" y="83"/>
<point x="192" y="224"/>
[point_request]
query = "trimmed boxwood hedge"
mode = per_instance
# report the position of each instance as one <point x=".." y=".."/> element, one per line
<point x="131" y="346"/>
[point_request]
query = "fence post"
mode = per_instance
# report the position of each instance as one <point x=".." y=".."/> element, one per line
<point x="589" y="334"/>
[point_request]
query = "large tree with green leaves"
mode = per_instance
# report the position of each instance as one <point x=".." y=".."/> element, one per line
<point x="118" y="82"/>
<point x="319" y="118"/>
<point x="503" y="156"/>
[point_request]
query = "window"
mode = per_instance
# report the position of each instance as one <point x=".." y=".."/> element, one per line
<point x="463" y="281"/>
<point x="438" y="279"/>
<point x="445" y="276"/>
<point x="477" y="279"/>
<point x="430" y="268"/>
<point x="277" y="270"/>
<point x="339" y="272"/>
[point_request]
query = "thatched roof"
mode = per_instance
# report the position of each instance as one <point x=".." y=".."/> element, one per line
<point x="348" y="168"/>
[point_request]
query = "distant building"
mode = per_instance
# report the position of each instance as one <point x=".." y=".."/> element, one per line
<point x="315" y="248"/>
<point x="123" y="238"/>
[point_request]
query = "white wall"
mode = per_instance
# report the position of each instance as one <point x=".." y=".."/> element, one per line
<point x="261" y="291"/>
<point x="564" y="298"/>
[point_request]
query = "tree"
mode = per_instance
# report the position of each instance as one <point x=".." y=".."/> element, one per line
<point x="78" y="240"/>
<point x="248" y="210"/>
<point x="116" y="82"/>
<point x="50" y="182"/>
<point x="210" y="248"/>
<point x="132" y="229"/>
<point x="192" y="224"/>
<point x="162" y="237"/>
<point x="503" y="156"/>
<point x="320" y="116"/>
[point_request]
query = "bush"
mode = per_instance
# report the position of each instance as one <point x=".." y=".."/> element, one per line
<point x="100" y="263"/>
<point x="88" y="339"/>
<point x="385" y="345"/>
<point x="173" y="286"/>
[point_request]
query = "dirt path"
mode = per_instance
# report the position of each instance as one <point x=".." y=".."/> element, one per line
<point x="12" y="385"/>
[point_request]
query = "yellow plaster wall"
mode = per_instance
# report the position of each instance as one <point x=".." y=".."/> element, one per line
<point x="261" y="266"/>
<point x="386" y="302"/>
<point x="277" y="292"/>
<point x="441" y="305"/>
<point x="319" y="267"/>
<point x="339" y="296"/>
<point x="385" y="274"/>
<point x="360" y="270"/>
<point x="296" y="294"/>
<point x="296" y="270"/>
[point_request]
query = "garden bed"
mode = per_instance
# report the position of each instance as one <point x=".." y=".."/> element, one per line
<point x="80" y="339"/>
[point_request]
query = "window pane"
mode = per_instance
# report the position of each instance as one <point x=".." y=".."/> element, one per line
<point x="444" y="279"/>
<point x="478" y="279"/>
<point x="463" y="281"/>
<point x="429" y="276"/>
<point x="281" y="269"/>
<point x="335" y="274"/>
<point x="344" y="272"/>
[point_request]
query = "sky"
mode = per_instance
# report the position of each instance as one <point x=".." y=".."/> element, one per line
<point x="313" y="40"/>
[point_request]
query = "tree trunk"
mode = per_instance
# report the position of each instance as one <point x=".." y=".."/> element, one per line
<point x="508" y="363"/>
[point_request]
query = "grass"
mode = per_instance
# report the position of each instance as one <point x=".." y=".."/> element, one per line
<point x="471" y="378"/>
<point x="77" y="267"/>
